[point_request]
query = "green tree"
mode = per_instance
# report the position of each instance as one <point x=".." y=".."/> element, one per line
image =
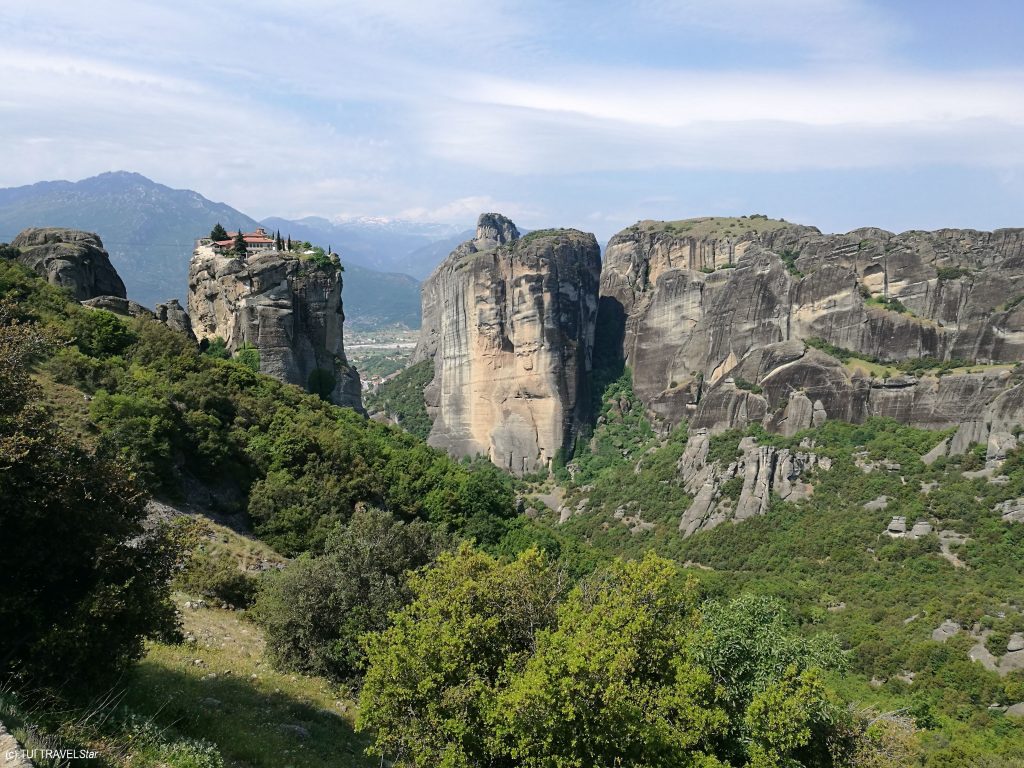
<point x="615" y="683"/>
<point x="99" y="333"/>
<point x="218" y="232"/>
<point x="81" y="586"/>
<point x="239" y="244"/>
<point x="491" y="665"/>
<point x="249" y="356"/>
<point x="315" y="610"/>
<point x="432" y="675"/>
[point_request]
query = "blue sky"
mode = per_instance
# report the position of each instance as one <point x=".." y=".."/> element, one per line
<point x="837" y="113"/>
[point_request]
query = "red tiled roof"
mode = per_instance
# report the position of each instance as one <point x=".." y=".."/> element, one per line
<point x="251" y="238"/>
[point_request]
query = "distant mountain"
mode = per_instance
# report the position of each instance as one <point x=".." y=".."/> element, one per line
<point x="432" y="254"/>
<point x="377" y="299"/>
<point x="149" y="230"/>
<point x="385" y="245"/>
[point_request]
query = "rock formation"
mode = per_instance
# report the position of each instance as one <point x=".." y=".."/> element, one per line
<point x="174" y="316"/>
<point x="715" y="316"/>
<point x="743" y="487"/>
<point x="287" y="307"/>
<point x="170" y="314"/>
<point x="71" y="259"/>
<point x="509" y="322"/>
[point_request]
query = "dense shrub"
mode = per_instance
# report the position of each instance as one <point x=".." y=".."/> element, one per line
<point x="215" y="574"/>
<point x="402" y="399"/>
<point x="315" y="611"/>
<point x="80" y="585"/>
<point x="496" y="664"/>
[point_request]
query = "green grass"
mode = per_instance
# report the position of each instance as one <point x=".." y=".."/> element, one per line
<point x="233" y="698"/>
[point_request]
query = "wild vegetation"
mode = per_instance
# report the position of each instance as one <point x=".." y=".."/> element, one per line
<point x="402" y="399"/>
<point x="474" y="636"/>
<point x="830" y="561"/>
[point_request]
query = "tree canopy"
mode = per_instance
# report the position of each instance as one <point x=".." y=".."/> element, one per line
<point x="496" y="663"/>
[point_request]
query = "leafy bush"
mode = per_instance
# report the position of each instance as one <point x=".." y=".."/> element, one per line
<point x="69" y="366"/>
<point x="952" y="273"/>
<point x="80" y="586"/>
<point x="99" y="333"/>
<point x="749" y="386"/>
<point x="249" y="356"/>
<point x="789" y="258"/>
<point x="216" y="575"/>
<point x="315" y="611"/>
<point x="215" y="347"/>
<point x="495" y="664"/>
<point x="891" y="303"/>
<point x="725" y="447"/>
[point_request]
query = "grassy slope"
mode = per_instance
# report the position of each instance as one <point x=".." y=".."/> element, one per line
<point x="220" y="687"/>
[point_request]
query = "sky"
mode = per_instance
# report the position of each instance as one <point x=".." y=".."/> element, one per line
<point x="837" y="113"/>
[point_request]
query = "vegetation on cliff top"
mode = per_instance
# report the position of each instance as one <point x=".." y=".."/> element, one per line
<point x="710" y="226"/>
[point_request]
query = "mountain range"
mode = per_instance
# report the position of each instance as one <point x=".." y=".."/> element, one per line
<point x="149" y="230"/>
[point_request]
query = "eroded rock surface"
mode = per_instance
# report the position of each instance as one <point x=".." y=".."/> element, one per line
<point x="288" y="308"/>
<point x="509" y="322"/>
<point x="742" y="488"/>
<point x="716" y="315"/>
<point x="70" y="259"/>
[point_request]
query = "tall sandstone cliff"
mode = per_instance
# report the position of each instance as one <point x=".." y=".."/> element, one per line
<point x="509" y="322"/>
<point x="288" y="308"/>
<point x="715" y="315"/>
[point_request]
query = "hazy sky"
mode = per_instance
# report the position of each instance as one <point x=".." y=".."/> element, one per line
<point x="838" y="113"/>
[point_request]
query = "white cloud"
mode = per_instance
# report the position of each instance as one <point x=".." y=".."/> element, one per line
<point x="836" y="30"/>
<point x="615" y="120"/>
<point x="468" y="208"/>
<point x="428" y="110"/>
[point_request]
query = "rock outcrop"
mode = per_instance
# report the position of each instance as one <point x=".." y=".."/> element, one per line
<point x="715" y="318"/>
<point x="743" y="487"/>
<point x="170" y="314"/>
<point x="509" y="323"/>
<point x="288" y="308"/>
<point x="71" y="259"/>
<point x="174" y="316"/>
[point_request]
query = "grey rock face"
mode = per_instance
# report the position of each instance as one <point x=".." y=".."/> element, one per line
<point x="1012" y="510"/>
<point x="716" y="314"/>
<point x="170" y="314"/>
<point x="174" y="316"/>
<point x="509" y="323"/>
<point x="118" y="305"/>
<point x="945" y="630"/>
<point x="764" y="470"/>
<point x="288" y="309"/>
<point x="70" y="259"/>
